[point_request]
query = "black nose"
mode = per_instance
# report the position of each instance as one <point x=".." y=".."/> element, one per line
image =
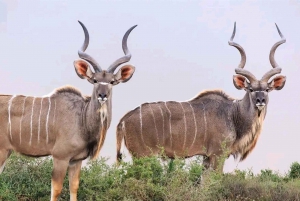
<point x="102" y="96"/>
<point x="260" y="100"/>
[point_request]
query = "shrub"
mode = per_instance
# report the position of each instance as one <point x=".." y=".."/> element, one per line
<point x="294" y="170"/>
<point x="146" y="179"/>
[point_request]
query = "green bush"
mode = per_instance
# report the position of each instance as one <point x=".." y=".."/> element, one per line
<point x="294" y="170"/>
<point x="29" y="179"/>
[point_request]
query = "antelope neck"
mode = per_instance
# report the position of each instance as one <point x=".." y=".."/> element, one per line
<point x="91" y="113"/>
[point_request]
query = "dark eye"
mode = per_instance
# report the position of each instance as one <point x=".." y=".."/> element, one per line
<point x="267" y="90"/>
<point x="251" y="90"/>
<point x="112" y="82"/>
<point x="95" y="81"/>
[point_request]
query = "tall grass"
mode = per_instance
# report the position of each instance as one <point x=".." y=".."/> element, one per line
<point x="148" y="179"/>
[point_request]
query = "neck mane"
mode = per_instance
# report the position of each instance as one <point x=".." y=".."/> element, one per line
<point x="248" y="123"/>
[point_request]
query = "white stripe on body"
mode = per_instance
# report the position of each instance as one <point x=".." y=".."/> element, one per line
<point x="124" y="130"/>
<point x="195" y="124"/>
<point x="185" y="127"/>
<point x="54" y="112"/>
<point x="31" y="120"/>
<point x="47" y="120"/>
<point x="154" y="123"/>
<point x="163" y="131"/>
<point x="205" y="128"/>
<point x="23" y="110"/>
<point x="9" y="118"/>
<point x="141" y="123"/>
<point x="39" y="127"/>
<point x="170" y="125"/>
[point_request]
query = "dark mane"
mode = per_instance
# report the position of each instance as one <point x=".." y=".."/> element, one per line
<point x="71" y="90"/>
<point x="68" y="89"/>
<point x="217" y="92"/>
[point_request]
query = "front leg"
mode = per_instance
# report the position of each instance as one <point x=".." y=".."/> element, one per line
<point x="74" y="174"/>
<point x="58" y="174"/>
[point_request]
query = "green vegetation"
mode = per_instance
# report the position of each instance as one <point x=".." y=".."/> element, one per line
<point x="148" y="179"/>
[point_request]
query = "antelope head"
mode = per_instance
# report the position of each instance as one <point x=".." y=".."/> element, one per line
<point x="103" y="80"/>
<point x="258" y="89"/>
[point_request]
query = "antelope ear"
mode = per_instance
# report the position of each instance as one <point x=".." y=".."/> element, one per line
<point x="277" y="83"/>
<point x="82" y="69"/>
<point x="240" y="82"/>
<point x="125" y="73"/>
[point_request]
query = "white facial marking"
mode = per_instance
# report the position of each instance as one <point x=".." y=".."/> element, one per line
<point x="103" y="83"/>
<point x="9" y="120"/>
<point x="195" y="124"/>
<point x="39" y="127"/>
<point x="171" y="140"/>
<point x="47" y="120"/>
<point x="185" y="127"/>
<point x="23" y="110"/>
<point x="260" y="106"/>
<point x="31" y="121"/>
<point x="102" y="101"/>
<point x="154" y="123"/>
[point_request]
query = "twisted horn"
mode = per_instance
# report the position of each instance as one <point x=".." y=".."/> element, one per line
<point x="242" y="52"/>
<point x="127" y="56"/>
<point x="84" y="55"/>
<point x="240" y="69"/>
<point x="275" y="66"/>
<point x="273" y="49"/>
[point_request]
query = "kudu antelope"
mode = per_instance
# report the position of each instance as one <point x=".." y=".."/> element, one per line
<point x="67" y="125"/>
<point x="200" y="126"/>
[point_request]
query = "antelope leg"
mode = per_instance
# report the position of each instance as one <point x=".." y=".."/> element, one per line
<point x="4" y="154"/>
<point x="58" y="174"/>
<point x="74" y="174"/>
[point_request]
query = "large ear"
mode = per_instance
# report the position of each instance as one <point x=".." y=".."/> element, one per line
<point x="82" y="69"/>
<point x="125" y="73"/>
<point x="277" y="83"/>
<point x="240" y="82"/>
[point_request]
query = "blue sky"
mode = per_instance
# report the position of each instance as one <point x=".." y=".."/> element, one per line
<point x="179" y="48"/>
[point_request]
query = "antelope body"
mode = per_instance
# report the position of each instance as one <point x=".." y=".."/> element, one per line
<point x="65" y="124"/>
<point x="200" y="126"/>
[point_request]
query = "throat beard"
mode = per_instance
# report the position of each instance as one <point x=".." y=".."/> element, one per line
<point x="259" y="112"/>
